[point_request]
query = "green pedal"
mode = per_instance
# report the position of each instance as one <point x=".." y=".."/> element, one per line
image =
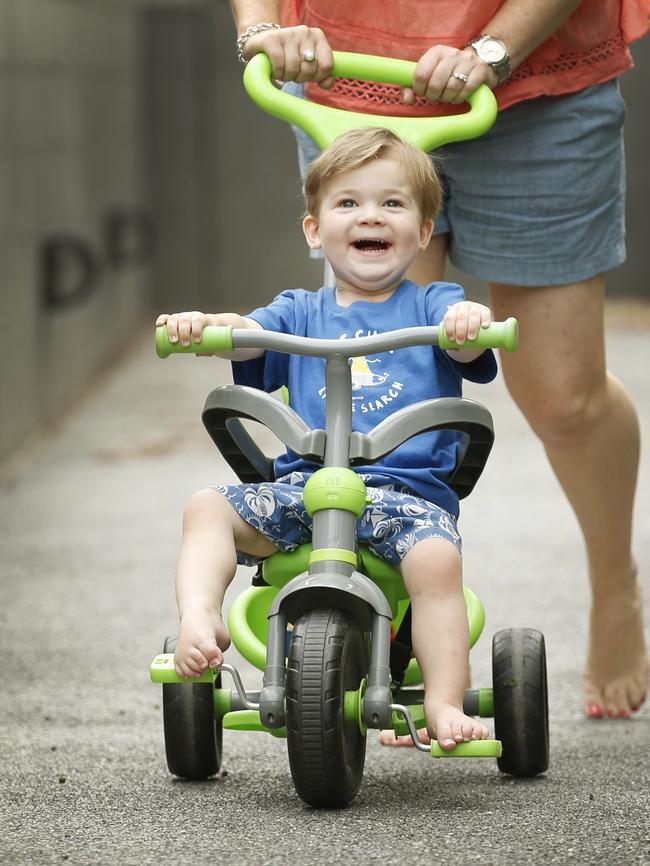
<point x="474" y="749"/>
<point x="162" y="670"/>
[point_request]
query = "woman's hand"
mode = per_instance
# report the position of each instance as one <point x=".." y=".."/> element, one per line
<point x="436" y="71"/>
<point x="289" y="50"/>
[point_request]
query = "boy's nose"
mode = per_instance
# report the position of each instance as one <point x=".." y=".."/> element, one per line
<point x="370" y="214"/>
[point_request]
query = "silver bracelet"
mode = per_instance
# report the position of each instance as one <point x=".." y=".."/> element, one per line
<point x="246" y="35"/>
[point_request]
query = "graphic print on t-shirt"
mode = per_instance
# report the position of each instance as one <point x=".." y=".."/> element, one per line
<point x="362" y="377"/>
<point x="368" y="395"/>
<point x="372" y="391"/>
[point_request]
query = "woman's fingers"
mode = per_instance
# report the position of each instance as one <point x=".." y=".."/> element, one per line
<point x="445" y="74"/>
<point x="296" y="53"/>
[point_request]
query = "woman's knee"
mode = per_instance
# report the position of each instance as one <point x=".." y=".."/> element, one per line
<point x="562" y="409"/>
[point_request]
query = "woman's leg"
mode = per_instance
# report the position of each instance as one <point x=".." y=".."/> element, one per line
<point x="212" y="534"/>
<point x="588" y="426"/>
<point x="432" y="576"/>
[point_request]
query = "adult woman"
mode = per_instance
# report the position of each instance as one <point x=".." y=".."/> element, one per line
<point x="536" y="209"/>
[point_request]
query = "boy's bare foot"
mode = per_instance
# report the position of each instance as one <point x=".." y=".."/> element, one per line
<point x="450" y="725"/>
<point x="388" y="738"/>
<point x="616" y="675"/>
<point x="202" y="638"/>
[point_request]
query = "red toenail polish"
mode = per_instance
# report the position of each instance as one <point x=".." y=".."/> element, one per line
<point x="623" y="714"/>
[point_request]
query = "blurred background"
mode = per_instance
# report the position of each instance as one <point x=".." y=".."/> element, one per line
<point x="135" y="176"/>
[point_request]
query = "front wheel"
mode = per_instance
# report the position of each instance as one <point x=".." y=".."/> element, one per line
<point x="193" y="737"/>
<point x="327" y="656"/>
<point x="520" y="700"/>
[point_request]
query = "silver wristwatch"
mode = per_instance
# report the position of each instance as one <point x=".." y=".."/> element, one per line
<point x="494" y="52"/>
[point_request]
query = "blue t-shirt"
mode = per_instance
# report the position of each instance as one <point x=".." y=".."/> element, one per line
<point x="381" y="384"/>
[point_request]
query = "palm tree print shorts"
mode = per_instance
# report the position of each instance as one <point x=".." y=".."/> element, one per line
<point x="392" y="522"/>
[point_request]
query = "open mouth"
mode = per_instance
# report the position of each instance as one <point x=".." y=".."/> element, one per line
<point x="371" y="245"/>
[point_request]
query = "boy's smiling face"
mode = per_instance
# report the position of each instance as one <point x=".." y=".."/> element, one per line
<point x="370" y="228"/>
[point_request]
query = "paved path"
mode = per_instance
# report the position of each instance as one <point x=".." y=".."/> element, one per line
<point x="90" y="533"/>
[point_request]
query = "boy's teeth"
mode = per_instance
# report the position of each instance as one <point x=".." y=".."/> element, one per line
<point x="370" y="244"/>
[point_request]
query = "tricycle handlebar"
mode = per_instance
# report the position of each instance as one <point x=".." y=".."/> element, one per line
<point x="224" y="338"/>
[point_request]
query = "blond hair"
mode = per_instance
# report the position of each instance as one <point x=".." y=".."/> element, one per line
<point x="356" y="147"/>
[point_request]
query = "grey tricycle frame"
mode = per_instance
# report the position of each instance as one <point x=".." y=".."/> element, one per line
<point x="330" y="582"/>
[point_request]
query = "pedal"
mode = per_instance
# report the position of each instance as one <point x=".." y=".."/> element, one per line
<point x="473" y="749"/>
<point x="162" y="670"/>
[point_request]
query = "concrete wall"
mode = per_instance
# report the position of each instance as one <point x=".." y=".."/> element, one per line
<point x="69" y="154"/>
<point x="222" y="174"/>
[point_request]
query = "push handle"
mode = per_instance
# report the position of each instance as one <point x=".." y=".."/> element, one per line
<point x="323" y="123"/>
<point x="222" y="338"/>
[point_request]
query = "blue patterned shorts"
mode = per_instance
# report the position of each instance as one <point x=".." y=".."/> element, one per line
<point x="392" y="522"/>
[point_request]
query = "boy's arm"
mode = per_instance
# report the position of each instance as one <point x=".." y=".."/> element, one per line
<point x="183" y="326"/>
<point x="463" y="321"/>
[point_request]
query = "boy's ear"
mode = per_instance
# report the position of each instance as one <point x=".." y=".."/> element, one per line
<point x="426" y="230"/>
<point x="312" y="232"/>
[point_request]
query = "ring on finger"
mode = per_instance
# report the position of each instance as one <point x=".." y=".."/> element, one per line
<point x="460" y="76"/>
<point x="308" y="55"/>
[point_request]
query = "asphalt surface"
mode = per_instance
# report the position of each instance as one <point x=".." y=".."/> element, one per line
<point x="90" y="527"/>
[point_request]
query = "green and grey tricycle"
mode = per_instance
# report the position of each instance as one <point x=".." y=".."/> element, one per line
<point x="329" y="623"/>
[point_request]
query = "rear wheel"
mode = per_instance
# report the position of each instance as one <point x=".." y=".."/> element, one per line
<point x="193" y="737"/>
<point x="327" y="657"/>
<point x="520" y="701"/>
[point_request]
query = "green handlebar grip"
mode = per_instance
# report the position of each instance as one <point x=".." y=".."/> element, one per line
<point x="215" y="338"/>
<point x="497" y="335"/>
<point x="324" y="123"/>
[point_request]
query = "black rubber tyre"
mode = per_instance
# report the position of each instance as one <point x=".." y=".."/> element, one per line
<point x="193" y="736"/>
<point x="327" y="657"/>
<point x="520" y="700"/>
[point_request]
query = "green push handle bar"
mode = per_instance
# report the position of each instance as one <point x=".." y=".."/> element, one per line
<point x="323" y="123"/>
<point x="219" y="338"/>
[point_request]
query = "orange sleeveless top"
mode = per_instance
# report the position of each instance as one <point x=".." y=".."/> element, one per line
<point x="590" y="47"/>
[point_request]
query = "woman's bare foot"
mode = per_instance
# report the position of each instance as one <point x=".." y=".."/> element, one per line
<point x="616" y="675"/>
<point x="202" y="638"/>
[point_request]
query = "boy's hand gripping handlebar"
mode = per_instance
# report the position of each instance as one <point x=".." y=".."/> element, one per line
<point x="218" y="338"/>
<point x="324" y="123"/>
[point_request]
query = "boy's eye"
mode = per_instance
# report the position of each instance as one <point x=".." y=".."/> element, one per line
<point x="347" y="202"/>
<point x="393" y="202"/>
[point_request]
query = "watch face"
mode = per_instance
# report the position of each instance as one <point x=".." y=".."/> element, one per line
<point x="492" y="51"/>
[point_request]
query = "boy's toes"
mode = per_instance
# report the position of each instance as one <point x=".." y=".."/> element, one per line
<point x="183" y="669"/>
<point x="217" y="661"/>
<point x="211" y="654"/>
<point x="468" y="729"/>
<point x="445" y="736"/>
